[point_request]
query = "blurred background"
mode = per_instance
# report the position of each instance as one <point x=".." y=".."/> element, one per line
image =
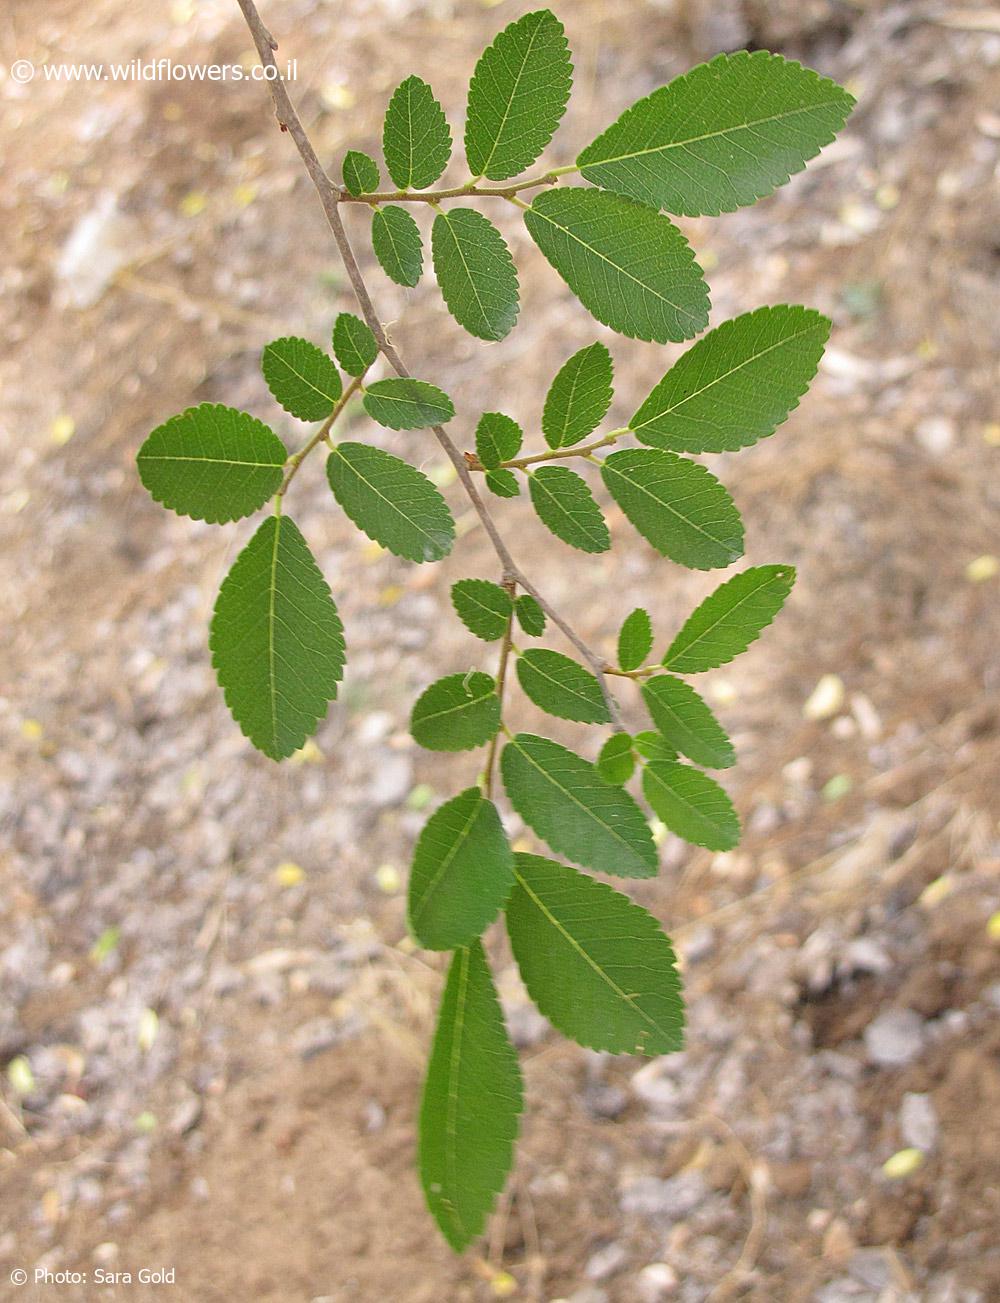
<point x="212" y="1025"/>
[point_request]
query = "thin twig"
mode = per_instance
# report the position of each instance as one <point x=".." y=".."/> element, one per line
<point x="329" y="195"/>
<point x="470" y="189"/>
<point x="554" y="454"/>
<point x="298" y="458"/>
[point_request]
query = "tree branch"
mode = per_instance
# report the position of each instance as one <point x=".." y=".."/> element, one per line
<point x="329" y="195"/>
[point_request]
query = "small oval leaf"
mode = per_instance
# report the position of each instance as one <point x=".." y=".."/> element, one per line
<point x="566" y="506"/>
<point x="635" y="639"/>
<point x="691" y="804"/>
<point x="687" y="722"/>
<point x="558" y="685"/>
<point x="456" y="713"/>
<point x="730" y="619"/>
<point x="390" y="500"/>
<point x="301" y="377"/>
<point x="405" y="404"/>
<point x="397" y="244"/>
<point x="476" y="273"/>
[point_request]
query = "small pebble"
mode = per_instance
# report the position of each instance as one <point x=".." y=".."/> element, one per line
<point x="606" y="1262"/>
<point x="656" y="1282"/>
<point x="918" y="1123"/>
<point x="894" y="1038"/>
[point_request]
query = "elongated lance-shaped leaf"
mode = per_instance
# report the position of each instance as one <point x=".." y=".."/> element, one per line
<point x="397" y="244"/>
<point x="401" y="403"/>
<point x="530" y="615"/>
<point x="390" y="500"/>
<point x="476" y="273"/>
<point x="730" y="619"/>
<point x="687" y="722"/>
<point x="456" y="713"/>
<point x="498" y="438"/>
<point x="416" y="140"/>
<point x="463" y="870"/>
<point x="302" y="378"/>
<point x="597" y="965"/>
<point x="483" y="607"/>
<point x="471" y="1102"/>
<point x="568" y="804"/>
<point x="354" y="344"/>
<point x="559" y="685"/>
<point x="518" y="94"/>
<point x="630" y="267"/>
<point x="691" y="804"/>
<point x="566" y="506"/>
<point x="578" y="397"/>
<point x="635" y="639"/>
<point x="676" y="505"/>
<point x="616" y="762"/>
<point x="737" y="384"/>
<point x="726" y="133"/>
<point x="360" y="172"/>
<point x="277" y="641"/>
<point x="212" y="463"/>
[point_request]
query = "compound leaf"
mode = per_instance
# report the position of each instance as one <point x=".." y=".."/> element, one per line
<point x="676" y="505"/>
<point x="616" y="761"/>
<point x="737" y="384"/>
<point x="276" y="639"/>
<point x="406" y="404"/>
<point x="630" y="267"/>
<point x="416" y="140"/>
<point x="360" y="172"/>
<point x="635" y="639"/>
<point x="597" y="965"/>
<point x="568" y="804"/>
<point x="530" y="615"/>
<point x="498" y="438"/>
<point x="578" y="397"/>
<point x="463" y="870"/>
<point x="397" y="244"/>
<point x="476" y="273"/>
<point x="212" y="463"/>
<point x="691" y="804"/>
<point x="503" y="483"/>
<point x="456" y="713"/>
<point x="483" y="607"/>
<point x="561" y="687"/>
<point x="687" y="722"/>
<point x="390" y="500"/>
<point x="354" y="344"/>
<point x="726" y="133"/>
<point x="301" y="377"/>
<point x="517" y="96"/>
<point x="566" y="506"/>
<point x="730" y="619"/>
<point x="471" y="1102"/>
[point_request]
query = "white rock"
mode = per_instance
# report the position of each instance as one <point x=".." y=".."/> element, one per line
<point x="656" y="1282"/>
<point x="918" y="1121"/>
<point x="936" y="435"/>
<point x="894" y="1038"/>
<point x="608" y="1260"/>
<point x="826" y="698"/>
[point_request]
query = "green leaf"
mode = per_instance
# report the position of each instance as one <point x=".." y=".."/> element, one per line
<point x="463" y="870"/>
<point x="687" y="722"/>
<point x="360" y="172"/>
<point x="456" y="713"/>
<point x="616" y="761"/>
<point x="498" y="438"/>
<point x="483" y="607"/>
<point x="691" y="804"/>
<point x="416" y="140"/>
<point x="476" y="273"/>
<point x="406" y="404"/>
<point x="566" y="506"/>
<point x="726" y="133"/>
<point x="390" y="500"/>
<point x="277" y="641"/>
<point x="635" y="639"/>
<point x="676" y="505"/>
<point x="729" y="620"/>
<point x="562" y="687"/>
<point x="354" y="344"/>
<point x="212" y="463"/>
<point x="578" y="397"/>
<point x="630" y="267"/>
<point x="397" y="244"/>
<point x="737" y="384"/>
<point x="597" y="965"/>
<point x="530" y="615"/>
<point x="503" y="483"/>
<point x="302" y="378"/>
<point x="567" y="803"/>
<point x="517" y="96"/>
<point x="653" y="746"/>
<point x="471" y="1102"/>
